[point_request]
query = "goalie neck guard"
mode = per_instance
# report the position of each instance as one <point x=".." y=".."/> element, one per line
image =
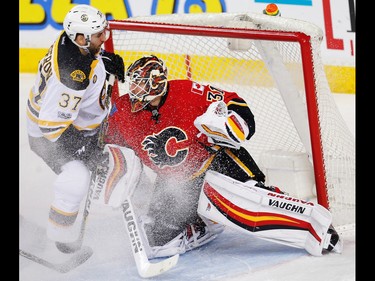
<point x="145" y="79"/>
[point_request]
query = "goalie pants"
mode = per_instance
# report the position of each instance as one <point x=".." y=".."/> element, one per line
<point x="174" y="204"/>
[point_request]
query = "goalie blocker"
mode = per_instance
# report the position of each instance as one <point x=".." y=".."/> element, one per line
<point x="118" y="177"/>
<point x="268" y="215"/>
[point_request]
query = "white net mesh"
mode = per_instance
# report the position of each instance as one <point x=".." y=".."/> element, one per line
<point x="269" y="74"/>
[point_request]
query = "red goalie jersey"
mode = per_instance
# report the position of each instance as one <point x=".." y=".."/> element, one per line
<point x="166" y="139"/>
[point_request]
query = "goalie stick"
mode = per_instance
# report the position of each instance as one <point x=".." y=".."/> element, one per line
<point x="72" y="247"/>
<point x="74" y="261"/>
<point x="145" y="268"/>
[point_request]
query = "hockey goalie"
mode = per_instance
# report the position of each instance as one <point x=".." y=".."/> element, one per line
<point x="191" y="136"/>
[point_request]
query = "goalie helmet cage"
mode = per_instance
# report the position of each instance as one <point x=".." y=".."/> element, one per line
<point x="274" y="63"/>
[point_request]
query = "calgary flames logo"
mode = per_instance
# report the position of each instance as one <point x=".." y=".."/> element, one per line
<point x="165" y="148"/>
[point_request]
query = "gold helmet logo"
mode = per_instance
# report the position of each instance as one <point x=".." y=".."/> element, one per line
<point x="84" y="18"/>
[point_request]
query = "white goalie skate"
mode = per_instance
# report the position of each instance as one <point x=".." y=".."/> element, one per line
<point x="333" y="242"/>
<point x="193" y="236"/>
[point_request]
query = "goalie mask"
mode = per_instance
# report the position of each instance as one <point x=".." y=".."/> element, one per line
<point x="145" y="79"/>
<point x="86" y="20"/>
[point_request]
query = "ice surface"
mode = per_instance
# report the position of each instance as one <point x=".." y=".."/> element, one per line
<point x="231" y="257"/>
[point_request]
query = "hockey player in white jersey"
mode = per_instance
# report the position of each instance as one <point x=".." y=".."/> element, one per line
<point x="65" y="109"/>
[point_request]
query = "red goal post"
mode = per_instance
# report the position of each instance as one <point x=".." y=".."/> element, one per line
<point x="275" y="64"/>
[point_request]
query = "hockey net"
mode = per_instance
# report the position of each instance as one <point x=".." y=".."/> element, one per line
<point x="274" y="63"/>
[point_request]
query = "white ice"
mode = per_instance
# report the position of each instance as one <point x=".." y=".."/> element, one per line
<point x="231" y="257"/>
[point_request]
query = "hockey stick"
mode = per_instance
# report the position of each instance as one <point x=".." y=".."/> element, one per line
<point x="72" y="247"/>
<point x="145" y="268"/>
<point x="77" y="259"/>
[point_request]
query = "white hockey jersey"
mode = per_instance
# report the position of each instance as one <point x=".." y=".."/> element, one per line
<point x="69" y="89"/>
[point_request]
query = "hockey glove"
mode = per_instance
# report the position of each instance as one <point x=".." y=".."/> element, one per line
<point x="222" y="127"/>
<point x="81" y="145"/>
<point x="114" y="64"/>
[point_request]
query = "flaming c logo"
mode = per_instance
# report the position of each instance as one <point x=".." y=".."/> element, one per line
<point x="165" y="148"/>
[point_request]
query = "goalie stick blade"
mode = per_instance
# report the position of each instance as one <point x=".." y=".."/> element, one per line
<point x="74" y="261"/>
<point x="147" y="269"/>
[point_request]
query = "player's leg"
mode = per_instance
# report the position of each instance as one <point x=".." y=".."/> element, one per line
<point x="69" y="189"/>
<point x="237" y="164"/>
<point x="173" y="230"/>
<point x="268" y="215"/>
<point x="172" y="225"/>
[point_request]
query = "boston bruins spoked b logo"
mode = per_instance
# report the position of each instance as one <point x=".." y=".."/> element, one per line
<point x="165" y="149"/>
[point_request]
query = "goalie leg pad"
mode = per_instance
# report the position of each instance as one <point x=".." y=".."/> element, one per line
<point x="118" y="179"/>
<point x="268" y="215"/>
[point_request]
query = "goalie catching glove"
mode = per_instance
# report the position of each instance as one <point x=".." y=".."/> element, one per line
<point x="222" y="126"/>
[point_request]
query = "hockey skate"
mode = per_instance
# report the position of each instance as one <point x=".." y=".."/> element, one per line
<point x="193" y="236"/>
<point x="333" y="242"/>
<point x="196" y="235"/>
<point x="67" y="239"/>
